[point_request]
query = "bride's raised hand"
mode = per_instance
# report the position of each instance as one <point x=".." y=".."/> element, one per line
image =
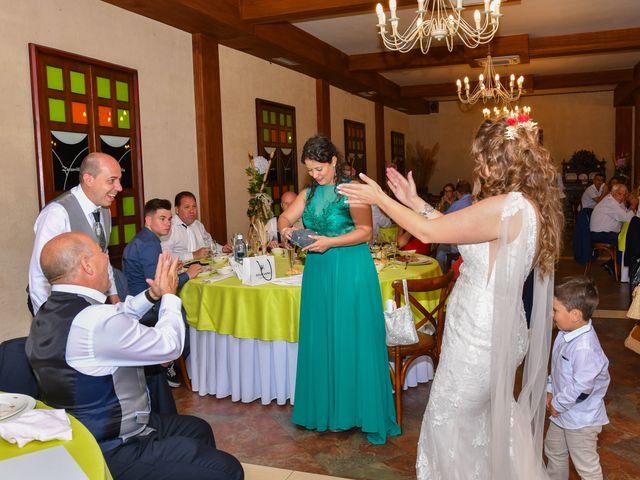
<point x="403" y="188"/>
<point x="368" y="192"/>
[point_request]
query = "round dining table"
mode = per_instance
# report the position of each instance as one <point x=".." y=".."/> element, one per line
<point x="244" y="338"/>
<point x="83" y="448"/>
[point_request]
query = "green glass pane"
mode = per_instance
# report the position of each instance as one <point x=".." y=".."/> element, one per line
<point x="289" y="121"/>
<point x="128" y="206"/>
<point x="282" y="119"/>
<point x="265" y="116"/>
<point x="122" y="91"/>
<point x="77" y="83"/>
<point x="272" y="116"/>
<point x="268" y="190"/>
<point x="114" y="239"/>
<point x="54" y="78"/>
<point x="291" y="188"/>
<point x="289" y="137"/>
<point x="123" y="118"/>
<point x="276" y="209"/>
<point x="56" y="110"/>
<point x="129" y="232"/>
<point x="104" y="87"/>
<point x="265" y="134"/>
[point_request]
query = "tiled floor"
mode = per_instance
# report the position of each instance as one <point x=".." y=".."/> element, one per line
<point x="263" y="435"/>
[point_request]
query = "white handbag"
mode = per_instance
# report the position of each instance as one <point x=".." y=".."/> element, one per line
<point x="400" y="325"/>
<point x="255" y="270"/>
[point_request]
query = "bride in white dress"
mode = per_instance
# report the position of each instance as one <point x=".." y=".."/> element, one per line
<point x="473" y="428"/>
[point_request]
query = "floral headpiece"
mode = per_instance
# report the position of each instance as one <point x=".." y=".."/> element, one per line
<point x="517" y="121"/>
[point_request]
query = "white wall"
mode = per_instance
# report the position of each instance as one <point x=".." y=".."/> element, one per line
<point x="162" y="57"/>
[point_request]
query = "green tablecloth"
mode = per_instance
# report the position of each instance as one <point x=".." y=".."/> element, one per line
<point x="271" y="312"/>
<point x="83" y="448"/>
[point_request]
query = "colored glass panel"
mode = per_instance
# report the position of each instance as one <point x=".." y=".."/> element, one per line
<point x="114" y="239"/>
<point x="291" y="188"/>
<point x="276" y="209"/>
<point x="283" y="136"/>
<point x="77" y="82"/>
<point x="289" y="137"/>
<point x="122" y="91"/>
<point x="67" y="151"/>
<point x="129" y="232"/>
<point x="265" y="116"/>
<point x="54" y="78"/>
<point x="289" y="120"/>
<point x="272" y="118"/>
<point x="123" y="118"/>
<point x="56" y="110"/>
<point x="128" y="206"/>
<point x="274" y="136"/>
<point x="268" y="190"/>
<point x="79" y="113"/>
<point x="282" y="119"/>
<point x="276" y="192"/>
<point x="113" y="209"/>
<point x="265" y="134"/>
<point x="104" y="116"/>
<point x="104" y="87"/>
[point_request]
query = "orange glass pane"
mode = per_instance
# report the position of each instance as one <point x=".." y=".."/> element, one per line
<point x="113" y="208"/>
<point x="276" y="192"/>
<point x="105" y="116"/>
<point x="283" y="136"/>
<point x="79" y="113"/>
<point x="274" y="137"/>
<point x="285" y="188"/>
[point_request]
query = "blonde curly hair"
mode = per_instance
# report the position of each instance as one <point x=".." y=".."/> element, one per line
<point x="516" y="162"/>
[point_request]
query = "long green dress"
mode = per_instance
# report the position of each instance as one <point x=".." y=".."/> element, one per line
<point x="342" y="378"/>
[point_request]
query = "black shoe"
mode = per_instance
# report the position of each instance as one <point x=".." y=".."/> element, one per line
<point x="608" y="268"/>
<point x="172" y="376"/>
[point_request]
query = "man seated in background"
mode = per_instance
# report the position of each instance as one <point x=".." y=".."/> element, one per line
<point x="463" y="200"/>
<point x="87" y="358"/>
<point x="272" y="225"/>
<point x="607" y="219"/>
<point x="594" y="192"/>
<point x="140" y="260"/>
<point x="188" y="239"/>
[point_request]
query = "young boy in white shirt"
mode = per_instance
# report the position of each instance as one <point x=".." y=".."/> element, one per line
<point x="578" y="382"/>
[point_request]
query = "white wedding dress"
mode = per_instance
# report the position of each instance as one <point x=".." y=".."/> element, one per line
<point x="472" y="427"/>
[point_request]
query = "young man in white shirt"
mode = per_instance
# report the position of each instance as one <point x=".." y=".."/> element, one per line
<point x="594" y="192"/>
<point x="577" y="385"/>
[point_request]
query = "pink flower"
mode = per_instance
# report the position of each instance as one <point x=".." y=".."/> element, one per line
<point x="621" y="162"/>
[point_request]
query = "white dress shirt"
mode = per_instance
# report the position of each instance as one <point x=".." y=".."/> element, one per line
<point x="589" y="196"/>
<point x="185" y="239"/>
<point x="579" y="379"/>
<point x="51" y="222"/>
<point x="609" y="215"/>
<point x="379" y="220"/>
<point x="105" y="337"/>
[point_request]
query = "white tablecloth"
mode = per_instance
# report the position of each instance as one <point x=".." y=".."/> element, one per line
<point x="250" y="369"/>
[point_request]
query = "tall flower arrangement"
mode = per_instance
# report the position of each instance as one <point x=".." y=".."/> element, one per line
<point x="259" y="210"/>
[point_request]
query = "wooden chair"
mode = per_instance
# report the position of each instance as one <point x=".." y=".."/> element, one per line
<point x="404" y="356"/>
<point x="611" y="250"/>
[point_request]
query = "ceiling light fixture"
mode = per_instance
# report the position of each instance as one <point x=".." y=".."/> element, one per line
<point x="496" y="113"/>
<point x="439" y="19"/>
<point x="489" y="87"/>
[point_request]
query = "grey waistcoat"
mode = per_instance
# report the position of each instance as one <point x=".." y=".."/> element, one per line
<point x="78" y="219"/>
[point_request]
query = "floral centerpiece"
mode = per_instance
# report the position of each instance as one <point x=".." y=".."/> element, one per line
<point x="622" y="167"/>
<point x="259" y="211"/>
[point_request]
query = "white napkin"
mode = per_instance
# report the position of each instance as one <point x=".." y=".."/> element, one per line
<point x="43" y="425"/>
<point x="293" y="280"/>
<point x="217" y="278"/>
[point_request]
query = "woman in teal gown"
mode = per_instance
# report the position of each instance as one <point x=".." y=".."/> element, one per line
<point x="342" y="378"/>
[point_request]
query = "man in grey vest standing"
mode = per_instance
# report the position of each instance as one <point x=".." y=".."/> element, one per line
<point x="84" y="208"/>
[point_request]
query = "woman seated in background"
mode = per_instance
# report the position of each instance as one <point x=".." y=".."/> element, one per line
<point x="406" y="241"/>
<point x="448" y="197"/>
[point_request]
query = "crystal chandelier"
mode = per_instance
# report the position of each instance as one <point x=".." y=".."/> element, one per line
<point x="439" y="19"/>
<point x="489" y="87"/>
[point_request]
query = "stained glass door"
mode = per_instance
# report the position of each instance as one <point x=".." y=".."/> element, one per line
<point x="355" y="146"/>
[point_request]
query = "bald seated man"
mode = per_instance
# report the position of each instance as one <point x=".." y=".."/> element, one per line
<point x="88" y="359"/>
<point x="84" y="208"/>
<point x="272" y="225"/>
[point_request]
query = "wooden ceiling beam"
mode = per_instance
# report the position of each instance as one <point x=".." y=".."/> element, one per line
<point x="532" y="83"/>
<point x="527" y="48"/>
<point x="585" y="43"/>
<point x="626" y="92"/>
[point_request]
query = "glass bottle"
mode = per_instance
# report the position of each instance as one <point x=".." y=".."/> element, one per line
<point x="239" y="247"/>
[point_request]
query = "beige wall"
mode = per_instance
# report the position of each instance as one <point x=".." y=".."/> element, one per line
<point x="570" y="122"/>
<point x="243" y="78"/>
<point x="346" y="106"/>
<point x="162" y="57"/>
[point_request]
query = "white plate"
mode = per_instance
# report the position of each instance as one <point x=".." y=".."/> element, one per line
<point x="12" y="404"/>
<point x="415" y="261"/>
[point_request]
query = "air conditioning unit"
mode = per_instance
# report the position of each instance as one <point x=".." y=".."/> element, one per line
<point x="504" y="60"/>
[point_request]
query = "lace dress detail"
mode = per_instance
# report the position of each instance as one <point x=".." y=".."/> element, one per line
<point x="456" y="430"/>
